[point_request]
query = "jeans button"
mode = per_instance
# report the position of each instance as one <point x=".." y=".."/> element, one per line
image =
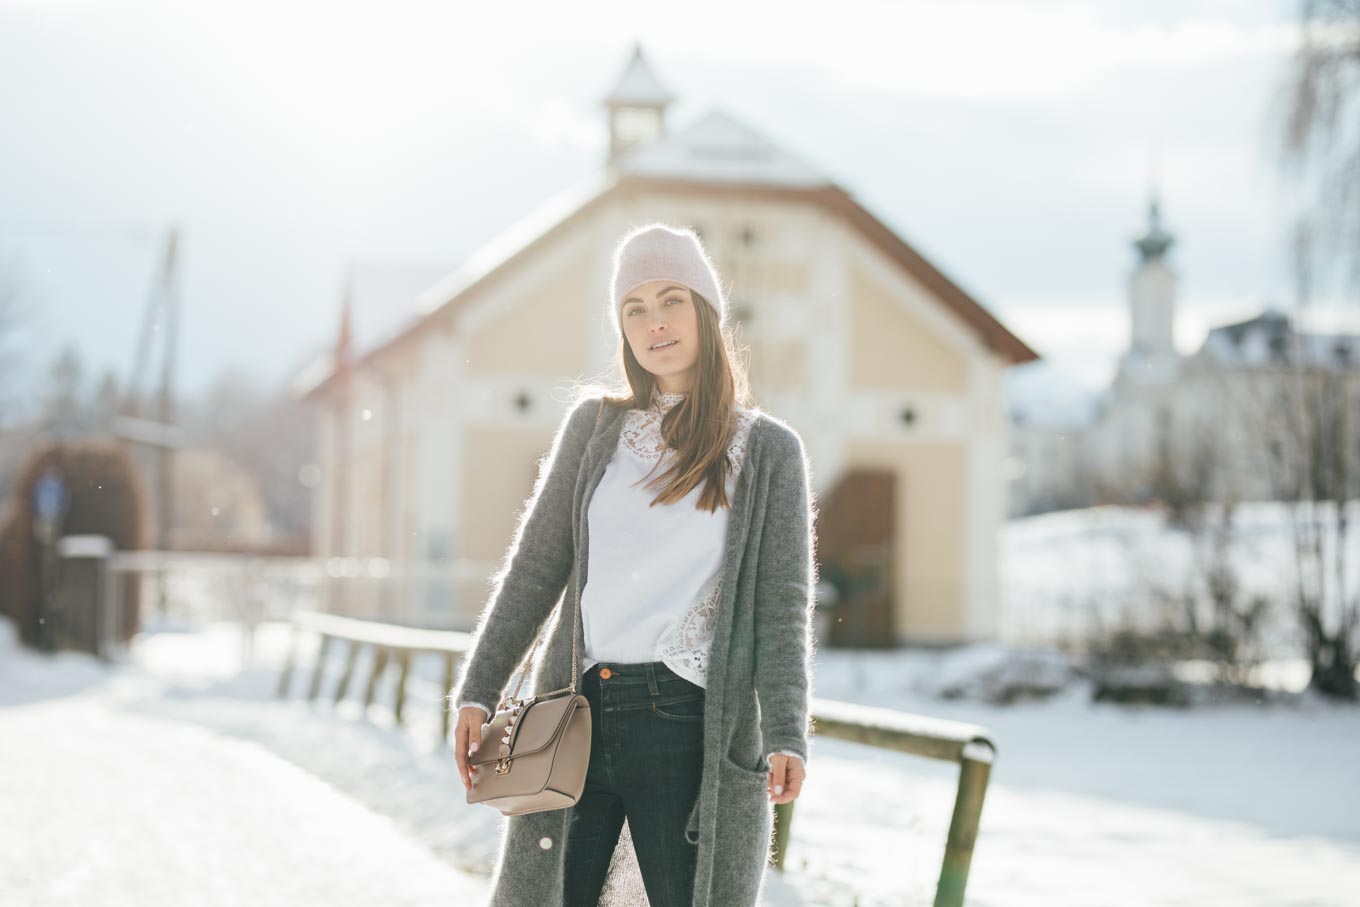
<point x="605" y="673"/>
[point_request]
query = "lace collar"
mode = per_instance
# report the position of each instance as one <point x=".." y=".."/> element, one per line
<point x="663" y="403"/>
<point x="641" y="431"/>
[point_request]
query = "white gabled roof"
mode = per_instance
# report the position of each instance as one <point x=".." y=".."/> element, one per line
<point x="720" y="148"/>
<point x="638" y="86"/>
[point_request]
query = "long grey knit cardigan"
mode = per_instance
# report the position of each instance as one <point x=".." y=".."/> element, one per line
<point x="759" y="679"/>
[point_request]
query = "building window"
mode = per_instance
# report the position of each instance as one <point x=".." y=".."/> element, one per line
<point x="636" y="125"/>
<point x="1279" y="347"/>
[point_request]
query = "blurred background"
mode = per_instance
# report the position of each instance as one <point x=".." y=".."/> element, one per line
<point x="1063" y="297"/>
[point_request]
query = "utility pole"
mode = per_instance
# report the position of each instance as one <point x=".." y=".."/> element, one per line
<point x="165" y="496"/>
<point x="161" y="319"/>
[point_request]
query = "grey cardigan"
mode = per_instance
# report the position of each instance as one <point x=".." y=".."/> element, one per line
<point x="760" y="674"/>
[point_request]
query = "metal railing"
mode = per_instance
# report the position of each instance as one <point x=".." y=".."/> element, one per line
<point x="967" y="745"/>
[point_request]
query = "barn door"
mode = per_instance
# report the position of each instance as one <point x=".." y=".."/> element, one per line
<point x="856" y="531"/>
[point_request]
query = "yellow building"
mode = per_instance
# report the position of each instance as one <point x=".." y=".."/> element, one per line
<point x="890" y="372"/>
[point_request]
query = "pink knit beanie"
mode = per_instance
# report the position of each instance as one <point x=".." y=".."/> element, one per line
<point x="656" y="251"/>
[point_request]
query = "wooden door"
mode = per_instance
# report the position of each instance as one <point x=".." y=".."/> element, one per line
<point x="856" y="534"/>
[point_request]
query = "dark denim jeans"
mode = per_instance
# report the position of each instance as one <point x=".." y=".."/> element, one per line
<point x="646" y="762"/>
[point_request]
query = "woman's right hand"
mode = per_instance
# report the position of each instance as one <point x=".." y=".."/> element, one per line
<point x="467" y="734"/>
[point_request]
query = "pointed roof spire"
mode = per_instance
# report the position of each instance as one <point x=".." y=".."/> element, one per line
<point x="638" y="86"/>
<point x="1156" y="241"/>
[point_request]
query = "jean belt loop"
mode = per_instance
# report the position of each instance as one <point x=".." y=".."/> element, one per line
<point x="651" y="679"/>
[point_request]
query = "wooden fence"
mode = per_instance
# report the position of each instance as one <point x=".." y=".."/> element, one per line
<point x="967" y="745"/>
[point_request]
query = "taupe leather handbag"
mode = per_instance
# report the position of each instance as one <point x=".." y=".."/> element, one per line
<point x="534" y="752"/>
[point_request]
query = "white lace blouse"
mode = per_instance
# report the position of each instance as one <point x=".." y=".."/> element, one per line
<point x="652" y="577"/>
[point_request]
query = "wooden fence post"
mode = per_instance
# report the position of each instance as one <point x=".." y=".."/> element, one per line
<point x="320" y="667"/>
<point x="379" y="665"/>
<point x="963" y="828"/>
<point x="405" y="661"/>
<point x="286" y="679"/>
<point x="351" y="655"/>
<point x="783" y="818"/>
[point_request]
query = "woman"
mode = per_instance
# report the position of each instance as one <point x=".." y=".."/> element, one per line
<point x="693" y="517"/>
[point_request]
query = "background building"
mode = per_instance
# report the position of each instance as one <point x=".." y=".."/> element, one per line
<point x="1211" y="424"/>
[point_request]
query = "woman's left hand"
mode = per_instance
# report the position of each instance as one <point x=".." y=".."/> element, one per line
<point x="786" y="778"/>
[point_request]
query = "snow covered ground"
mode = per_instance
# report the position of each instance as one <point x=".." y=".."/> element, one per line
<point x="106" y="807"/>
<point x="180" y="778"/>
<point x="1067" y="573"/>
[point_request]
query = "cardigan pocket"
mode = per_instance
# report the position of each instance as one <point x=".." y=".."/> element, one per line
<point x="743" y="845"/>
<point x="737" y="770"/>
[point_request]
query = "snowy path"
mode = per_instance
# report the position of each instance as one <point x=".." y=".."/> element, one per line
<point x="101" y="807"/>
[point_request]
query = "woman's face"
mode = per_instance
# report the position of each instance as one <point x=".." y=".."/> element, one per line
<point x="662" y="329"/>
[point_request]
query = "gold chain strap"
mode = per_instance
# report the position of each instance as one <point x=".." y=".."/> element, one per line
<point x="575" y="628"/>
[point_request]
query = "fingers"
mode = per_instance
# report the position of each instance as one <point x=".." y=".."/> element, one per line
<point x="786" y="778"/>
<point x="797" y="773"/>
<point x="460" y="743"/>
<point x="778" y="775"/>
<point x="466" y="740"/>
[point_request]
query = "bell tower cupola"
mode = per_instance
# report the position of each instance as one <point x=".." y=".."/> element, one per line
<point x="637" y="106"/>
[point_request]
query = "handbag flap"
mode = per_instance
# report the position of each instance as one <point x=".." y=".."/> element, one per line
<point x="531" y="734"/>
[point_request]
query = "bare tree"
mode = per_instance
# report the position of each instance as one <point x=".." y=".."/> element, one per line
<point x="265" y="431"/>
<point x="1322" y="456"/>
<point x="1322" y="461"/>
<point x="63" y="397"/>
<point x="15" y="435"/>
<point x="12" y="316"/>
<point x="1198" y="478"/>
<point x="1322" y="124"/>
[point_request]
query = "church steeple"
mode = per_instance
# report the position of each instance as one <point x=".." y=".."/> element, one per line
<point x="637" y="106"/>
<point x="1155" y="242"/>
<point x="1152" y="356"/>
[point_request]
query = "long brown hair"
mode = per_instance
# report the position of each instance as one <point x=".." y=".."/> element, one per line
<point x="699" y="427"/>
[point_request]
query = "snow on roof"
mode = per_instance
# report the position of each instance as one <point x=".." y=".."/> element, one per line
<point x="1270" y="338"/>
<point x="719" y="148"/>
<point x="638" y="86"/>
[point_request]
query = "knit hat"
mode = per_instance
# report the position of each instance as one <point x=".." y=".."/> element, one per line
<point x="656" y="251"/>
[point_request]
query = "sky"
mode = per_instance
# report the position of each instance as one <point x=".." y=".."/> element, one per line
<point x="1013" y="143"/>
